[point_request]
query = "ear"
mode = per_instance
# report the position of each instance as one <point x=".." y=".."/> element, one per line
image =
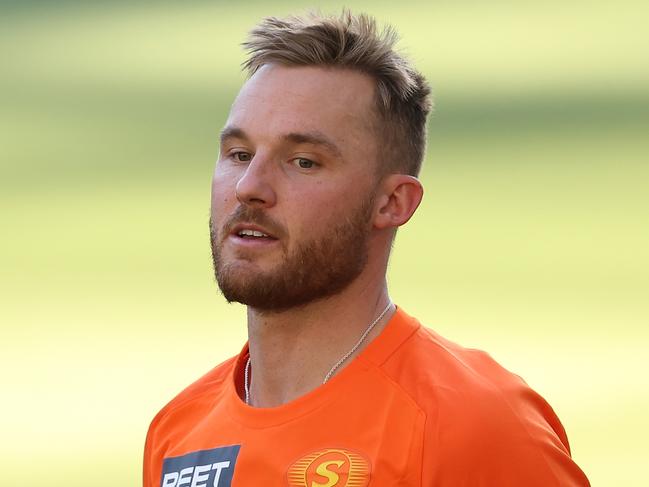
<point x="398" y="198"/>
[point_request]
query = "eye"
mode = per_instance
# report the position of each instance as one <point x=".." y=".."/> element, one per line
<point x="241" y="156"/>
<point x="303" y="163"/>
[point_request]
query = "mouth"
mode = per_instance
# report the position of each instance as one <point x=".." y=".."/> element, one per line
<point x="252" y="233"/>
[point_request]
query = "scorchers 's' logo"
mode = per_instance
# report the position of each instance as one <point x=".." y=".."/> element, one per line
<point x="330" y="468"/>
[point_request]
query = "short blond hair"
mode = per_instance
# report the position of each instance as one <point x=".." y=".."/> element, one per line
<point x="349" y="41"/>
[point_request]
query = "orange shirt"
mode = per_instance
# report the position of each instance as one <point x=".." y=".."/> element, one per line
<point x="412" y="409"/>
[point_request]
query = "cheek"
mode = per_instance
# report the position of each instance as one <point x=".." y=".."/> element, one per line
<point x="221" y="208"/>
<point x="223" y="193"/>
<point x="318" y="211"/>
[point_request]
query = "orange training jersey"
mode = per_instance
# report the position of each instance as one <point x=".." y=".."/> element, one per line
<point x="412" y="409"/>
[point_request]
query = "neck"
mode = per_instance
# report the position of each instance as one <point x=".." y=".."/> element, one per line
<point x="292" y="351"/>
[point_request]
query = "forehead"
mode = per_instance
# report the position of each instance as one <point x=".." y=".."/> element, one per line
<point x="280" y="99"/>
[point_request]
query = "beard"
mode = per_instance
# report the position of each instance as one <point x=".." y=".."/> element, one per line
<point x="317" y="268"/>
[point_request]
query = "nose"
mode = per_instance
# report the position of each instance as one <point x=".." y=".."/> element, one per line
<point x="255" y="187"/>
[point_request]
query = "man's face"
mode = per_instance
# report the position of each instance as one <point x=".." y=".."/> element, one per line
<point x="292" y="190"/>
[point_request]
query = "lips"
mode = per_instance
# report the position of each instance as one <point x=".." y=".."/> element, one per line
<point x="251" y="231"/>
<point x="249" y="225"/>
<point x="247" y="237"/>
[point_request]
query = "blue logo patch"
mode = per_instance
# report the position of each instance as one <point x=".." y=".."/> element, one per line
<point x="204" y="468"/>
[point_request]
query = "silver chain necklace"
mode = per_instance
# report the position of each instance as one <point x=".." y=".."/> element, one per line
<point x="246" y="375"/>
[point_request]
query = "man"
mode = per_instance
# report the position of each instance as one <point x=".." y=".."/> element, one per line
<point x="337" y="386"/>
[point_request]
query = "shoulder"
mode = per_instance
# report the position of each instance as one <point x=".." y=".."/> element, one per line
<point x="482" y="421"/>
<point x="467" y="386"/>
<point x="203" y="390"/>
<point x="434" y="370"/>
<point x="181" y="413"/>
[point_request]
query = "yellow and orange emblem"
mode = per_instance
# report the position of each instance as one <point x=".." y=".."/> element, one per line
<point x="330" y="468"/>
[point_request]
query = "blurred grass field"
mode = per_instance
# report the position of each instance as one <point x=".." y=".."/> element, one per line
<point x="532" y="242"/>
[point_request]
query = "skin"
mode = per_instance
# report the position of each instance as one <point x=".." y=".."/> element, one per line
<point x="304" y="187"/>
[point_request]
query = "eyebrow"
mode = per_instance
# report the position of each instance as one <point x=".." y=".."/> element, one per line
<point x="232" y="133"/>
<point x="312" y="137"/>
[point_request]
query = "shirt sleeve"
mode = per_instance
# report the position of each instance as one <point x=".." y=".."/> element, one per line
<point x="152" y="461"/>
<point x="501" y="438"/>
<point x="146" y="463"/>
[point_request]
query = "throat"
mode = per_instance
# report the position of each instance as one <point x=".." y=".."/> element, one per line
<point x="287" y="369"/>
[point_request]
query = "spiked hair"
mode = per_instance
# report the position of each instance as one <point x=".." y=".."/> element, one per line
<point x="402" y="95"/>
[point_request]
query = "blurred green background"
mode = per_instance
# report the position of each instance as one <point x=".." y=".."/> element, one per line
<point x="532" y="241"/>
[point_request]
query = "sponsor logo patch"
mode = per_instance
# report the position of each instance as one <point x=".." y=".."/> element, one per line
<point x="330" y="468"/>
<point x="204" y="468"/>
